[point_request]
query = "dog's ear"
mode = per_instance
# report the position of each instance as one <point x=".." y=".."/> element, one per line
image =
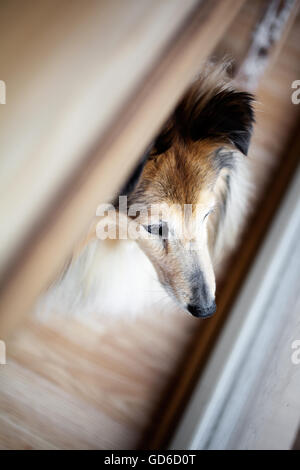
<point x="227" y="115"/>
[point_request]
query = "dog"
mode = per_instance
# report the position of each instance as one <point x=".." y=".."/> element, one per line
<point x="185" y="200"/>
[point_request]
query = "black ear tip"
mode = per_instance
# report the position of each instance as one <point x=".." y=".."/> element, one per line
<point x="227" y="115"/>
<point x="242" y="137"/>
<point x="237" y="109"/>
<point x="242" y="142"/>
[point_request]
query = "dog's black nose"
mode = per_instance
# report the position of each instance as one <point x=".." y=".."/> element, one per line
<point x="202" y="312"/>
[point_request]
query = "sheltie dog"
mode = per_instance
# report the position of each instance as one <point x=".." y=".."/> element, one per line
<point x="183" y="205"/>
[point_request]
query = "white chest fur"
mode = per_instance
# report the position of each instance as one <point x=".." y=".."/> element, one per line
<point x="112" y="277"/>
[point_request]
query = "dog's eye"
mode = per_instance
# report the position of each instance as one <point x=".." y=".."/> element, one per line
<point x="206" y="215"/>
<point x="161" y="230"/>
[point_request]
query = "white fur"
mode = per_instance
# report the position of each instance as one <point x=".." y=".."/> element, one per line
<point x="113" y="278"/>
<point x="237" y="208"/>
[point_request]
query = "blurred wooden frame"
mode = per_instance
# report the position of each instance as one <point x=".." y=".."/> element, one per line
<point x="107" y="163"/>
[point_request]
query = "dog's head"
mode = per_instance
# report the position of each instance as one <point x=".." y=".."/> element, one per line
<point x="183" y="193"/>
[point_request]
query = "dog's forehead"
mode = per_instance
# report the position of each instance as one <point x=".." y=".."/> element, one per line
<point x="183" y="175"/>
